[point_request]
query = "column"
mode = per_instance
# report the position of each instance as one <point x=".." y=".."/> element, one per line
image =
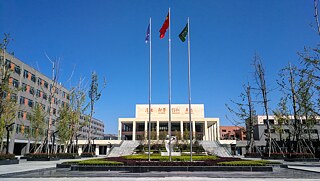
<point x="206" y="137"/>
<point x="217" y="130"/>
<point x="146" y="131"/>
<point x="214" y="132"/>
<point x="181" y="129"/>
<point x="158" y="130"/>
<point x="134" y="130"/>
<point x="119" y="130"/>
<point x="97" y="149"/>
<point x="194" y="129"/>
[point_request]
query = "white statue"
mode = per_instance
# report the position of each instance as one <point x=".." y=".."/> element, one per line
<point x="173" y="138"/>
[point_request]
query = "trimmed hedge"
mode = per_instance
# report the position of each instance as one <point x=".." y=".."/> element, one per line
<point x="241" y="163"/>
<point x="157" y="157"/>
<point x="67" y="155"/>
<point x="94" y="162"/>
<point x="7" y="156"/>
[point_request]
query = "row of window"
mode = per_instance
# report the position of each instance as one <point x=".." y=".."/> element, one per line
<point x="288" y="131"/>
<point x="34" y="79"/>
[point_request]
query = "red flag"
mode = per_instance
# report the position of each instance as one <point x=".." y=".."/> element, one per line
<point x="164" y="27"/>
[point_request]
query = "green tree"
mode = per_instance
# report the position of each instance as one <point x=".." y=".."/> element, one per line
<point x="38" y="126"/>
<point x="94" y="96"/>
<point x="8" y="102"/>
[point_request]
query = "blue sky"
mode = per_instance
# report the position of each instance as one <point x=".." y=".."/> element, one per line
<point x="108" y="36"/>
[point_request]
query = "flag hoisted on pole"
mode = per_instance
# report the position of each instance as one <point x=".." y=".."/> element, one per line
<point x="148" y="39"/>
<point x="165" y="26"/>
<point x="182" y="36"/>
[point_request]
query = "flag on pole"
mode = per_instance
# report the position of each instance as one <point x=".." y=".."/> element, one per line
<point x="184" y="33"/>
<point x="148" y="34"/>
<point x="164" y="27"/>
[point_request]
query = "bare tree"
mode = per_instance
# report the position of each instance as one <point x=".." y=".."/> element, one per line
<point x="244" y="110"/>
<point x="262" y="88"/>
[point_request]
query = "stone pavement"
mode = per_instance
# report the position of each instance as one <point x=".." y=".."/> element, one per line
<point x="45" y="171"/>
<point x="25" y="165"/>
<point x="155" y="179"/>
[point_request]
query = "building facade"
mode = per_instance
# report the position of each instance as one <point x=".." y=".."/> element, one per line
<point x="34" y="88"/>
<point x="136" y="128"/>
<point x="233" y="133"/>
<point x="283" y="132"/>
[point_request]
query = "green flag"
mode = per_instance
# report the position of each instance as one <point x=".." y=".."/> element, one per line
<point x="184" y="33"/>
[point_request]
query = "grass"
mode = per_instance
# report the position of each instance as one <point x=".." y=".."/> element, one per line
<point x="158" y="157"/>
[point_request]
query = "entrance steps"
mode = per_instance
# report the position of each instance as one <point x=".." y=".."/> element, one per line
<point x="126" y="148"/>
<point x="214" y="148"/>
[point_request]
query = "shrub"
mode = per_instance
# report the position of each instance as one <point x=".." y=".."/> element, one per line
<point x="87" y="154"/>
<point x="252" y="155"/>
<point x="67" y="155"/>
<point x="7" y="156"/>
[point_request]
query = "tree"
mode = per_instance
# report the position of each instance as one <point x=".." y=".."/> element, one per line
<point x="244" y="110"/>
<point x="94" y="96"/>
<point x="69" y="118"/>
<point x="8" y="99"/>
<point x="296" y="88"/>
<point x="282" y="116"/>
<point x="262" y="88"/>
<point x="38" y="125"/>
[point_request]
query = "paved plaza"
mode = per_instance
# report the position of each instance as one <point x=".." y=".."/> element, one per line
<point x="40" y="170"/>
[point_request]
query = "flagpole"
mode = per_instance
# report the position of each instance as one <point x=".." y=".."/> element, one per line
<point x="169" y="62"/>
<point x="189" y="91"/>
<point x="150" y="61"/>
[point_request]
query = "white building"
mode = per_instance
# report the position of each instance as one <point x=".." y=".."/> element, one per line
<point x="136" y="128"/>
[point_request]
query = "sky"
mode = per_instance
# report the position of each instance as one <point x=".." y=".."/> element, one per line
<point x="108" y="36"/>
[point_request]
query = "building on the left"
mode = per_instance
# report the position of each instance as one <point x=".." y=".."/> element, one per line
<point x="34" y="89"/>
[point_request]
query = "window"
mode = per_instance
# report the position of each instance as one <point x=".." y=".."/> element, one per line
<point x="46" y="84"/>
<point x="45" y="96"/>
<point x="38" y="93"/>
<point x="25" y="74"/>
<point x="20" y="114"/>
<point x="15" y="83"/>
<point x="30" y="103"/>
<point x="31" y="91"/>
<point x="224" y="130"/>
<point x="33" y="78"/>
<point x="17" y="70"/>
<point x="22" y="100"/>
<point x="39" y="81"/>
<point x="24" y="87"/>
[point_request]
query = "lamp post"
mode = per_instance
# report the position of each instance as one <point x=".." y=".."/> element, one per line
<point x="8" y="131"/>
